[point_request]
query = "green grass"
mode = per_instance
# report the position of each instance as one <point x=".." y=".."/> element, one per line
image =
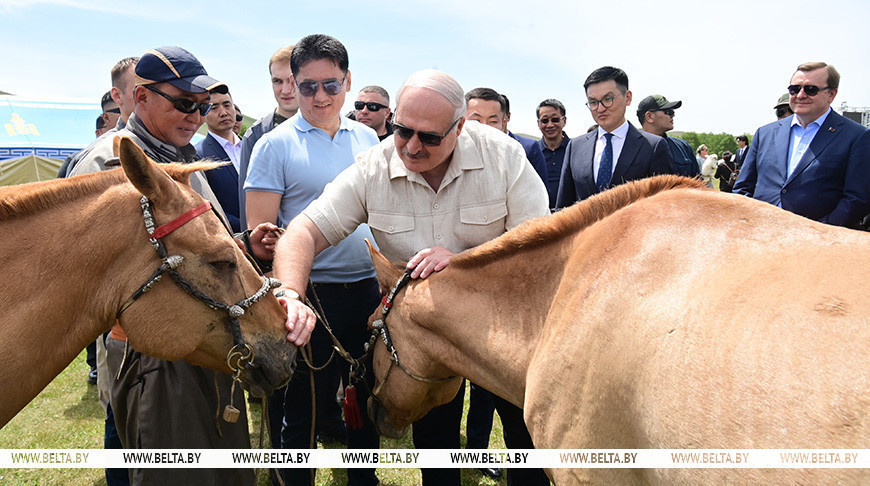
<point x="68" y="415"/>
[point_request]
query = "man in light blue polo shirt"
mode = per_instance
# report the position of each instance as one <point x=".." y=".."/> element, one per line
<point x="289" y="168"/>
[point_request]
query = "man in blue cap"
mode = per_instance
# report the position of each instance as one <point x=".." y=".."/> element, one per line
<point x="175" y="407"/>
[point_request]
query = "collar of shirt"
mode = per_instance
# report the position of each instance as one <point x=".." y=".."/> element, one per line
<point x="300" y="123"/>
<point x="818" y="121"/>
<point x="156" y="148"/>
<point x="617" y="141"/>
<point x="465" y="157"/>
<point x="233" y="148"/>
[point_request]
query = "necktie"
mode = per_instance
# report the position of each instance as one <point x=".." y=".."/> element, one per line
<point x="605" y="168"/>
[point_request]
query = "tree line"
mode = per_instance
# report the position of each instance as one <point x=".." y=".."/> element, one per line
<point x="716" y="142"/>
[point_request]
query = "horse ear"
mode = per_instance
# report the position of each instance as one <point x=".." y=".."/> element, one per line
<point x="388" y="274"/>
<point x="116" y="146"/>
<point x="142" y="171"/>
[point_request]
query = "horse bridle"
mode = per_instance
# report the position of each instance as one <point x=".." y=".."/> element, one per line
<point x="379" y="328"/>
<point x="241" y="355"/>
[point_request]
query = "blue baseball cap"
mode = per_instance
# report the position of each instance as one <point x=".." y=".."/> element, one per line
<point x="177" y="67"/>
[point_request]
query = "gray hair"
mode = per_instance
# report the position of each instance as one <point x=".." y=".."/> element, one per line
<point x="439" y="82"/>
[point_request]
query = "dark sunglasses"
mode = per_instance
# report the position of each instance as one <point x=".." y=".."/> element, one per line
<point x="113" y="110"/>
<point x="239" y="118"/>
<point x="331" y="87"/>
<point x="371" y="105"/>
<point x="555" y="119"/>
<point x="181" y="104"/>
<point x="809" y="89"/>
<point x="426" y="138"/>
<point x="668" y="112"/>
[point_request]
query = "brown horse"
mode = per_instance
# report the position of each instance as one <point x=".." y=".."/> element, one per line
<point x="77" y="249"/>
<point x="655" y="315"/>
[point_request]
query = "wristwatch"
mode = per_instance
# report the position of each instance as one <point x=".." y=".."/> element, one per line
<point x="288" y="294"/>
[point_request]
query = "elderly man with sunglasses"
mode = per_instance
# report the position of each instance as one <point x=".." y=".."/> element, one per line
<point x="171" y="404"/>
<point x="438" y="186"/>
<point x="372" y="108"/>
<point x="815" y="163"/>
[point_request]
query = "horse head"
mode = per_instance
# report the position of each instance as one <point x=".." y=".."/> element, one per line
<point x="409" y="381"/>
<point x="168" y="321"/>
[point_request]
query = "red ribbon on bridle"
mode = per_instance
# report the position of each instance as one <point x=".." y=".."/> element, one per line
<point x="180" y="221"/>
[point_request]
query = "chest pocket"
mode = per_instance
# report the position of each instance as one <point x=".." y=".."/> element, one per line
<point x="391" y="223"/>
<point x="484" y="214"/>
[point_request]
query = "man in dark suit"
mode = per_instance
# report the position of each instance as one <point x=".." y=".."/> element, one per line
<point x="742" y="150"/>
<point x="616" y="152"/>
<point x="222" y="143"/>
<point x="814" y="163"/>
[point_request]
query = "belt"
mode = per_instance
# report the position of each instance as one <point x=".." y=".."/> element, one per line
<point x="346" y="285"/>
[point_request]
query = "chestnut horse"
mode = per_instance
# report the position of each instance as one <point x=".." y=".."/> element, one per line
<point x="654" y="315"/>
<point x="77" y="249"/>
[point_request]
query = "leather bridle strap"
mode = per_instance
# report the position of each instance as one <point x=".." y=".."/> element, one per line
<point x="180" y="221"/>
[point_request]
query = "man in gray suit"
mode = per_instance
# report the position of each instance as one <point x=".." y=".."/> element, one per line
<point x="616" y="152"/>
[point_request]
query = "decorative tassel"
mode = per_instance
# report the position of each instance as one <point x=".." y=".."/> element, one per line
<point x="352" y="415"/>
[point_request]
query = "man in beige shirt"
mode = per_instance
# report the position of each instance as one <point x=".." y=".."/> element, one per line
<point x="437" y="187"/>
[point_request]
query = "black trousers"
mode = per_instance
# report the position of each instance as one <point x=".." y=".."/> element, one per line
<point x="347" y="308"/>
<point x="439" y="429"/>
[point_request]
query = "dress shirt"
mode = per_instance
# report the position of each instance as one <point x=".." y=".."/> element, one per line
<point x="618" y="140"/>
<point x="801" y="138"/>
<point x="233" y="149"/>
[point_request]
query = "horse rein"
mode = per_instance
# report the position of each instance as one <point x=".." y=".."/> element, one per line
<point x="241" y="355"/>
<point x="379" y="328"/>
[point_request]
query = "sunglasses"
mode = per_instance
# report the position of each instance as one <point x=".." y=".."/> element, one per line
<point x="426" y="138"/>
<point x="330" y="86"/>
<point x="371" y="105"/>
<point x="239" y="118"/>
<point x="809" y="89"/>
<point x="113" y="110"/>
<point x="555" y="119"/>
<point x="668" y="112"/>
<point x="181" y="104"/>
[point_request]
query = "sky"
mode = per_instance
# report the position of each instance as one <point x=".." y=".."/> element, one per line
<point x="728" y="62"/>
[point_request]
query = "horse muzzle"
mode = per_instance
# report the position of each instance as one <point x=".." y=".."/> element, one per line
<point x="380" y="418"/>
<point x="271" y="370"/>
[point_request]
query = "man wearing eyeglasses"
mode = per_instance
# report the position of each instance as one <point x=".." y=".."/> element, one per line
<point x="222" y="143"/>
<point x="174" y="408"/>
<point x="616" y="152"/>
<point x="553" y="143"/>
<point x="372" y="108"/>
<point x="289" y="168"/>
<point x="656" y="116"/>
<point x="438" y="186"/>
<point x="814" y="163"/>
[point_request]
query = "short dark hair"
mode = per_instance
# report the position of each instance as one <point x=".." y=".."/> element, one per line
<point x="488" y="94"/>
<point x="120" y="68"/>
<point x="551" y="102"/>
<point x="742" y="138"/>
<point x="833" y="74"/>
<point x="377" y="90"/>
<point x="315" y="47"/>
<point x="106" y="100"/>
<point x="607" y="73"/>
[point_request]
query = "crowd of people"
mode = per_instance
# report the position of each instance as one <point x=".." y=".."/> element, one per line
<point x="435" y="174"/>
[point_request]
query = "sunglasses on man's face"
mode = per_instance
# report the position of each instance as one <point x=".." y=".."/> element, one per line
<point x="555" y="120"/>
<point x="426" y="138"/>
<point x="371" y="105"/>
<point x="239" y="118"/>
<point x="113" y="110"/>
<point x="330" y="86"/>
<point x="181" y="104"/>
<point x="809" y="89"/>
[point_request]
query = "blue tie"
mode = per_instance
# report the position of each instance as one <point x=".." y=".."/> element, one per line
<point x="605" y="168"/>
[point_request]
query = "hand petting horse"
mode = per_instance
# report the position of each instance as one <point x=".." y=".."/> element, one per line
<point x="76" y="257"/>
<point x="613" y="328"/>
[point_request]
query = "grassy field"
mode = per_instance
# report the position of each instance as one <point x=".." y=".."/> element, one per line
<point x="67" y="414"/>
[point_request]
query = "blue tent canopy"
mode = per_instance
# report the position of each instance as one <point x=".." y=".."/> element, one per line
<point x="45" y="128"/>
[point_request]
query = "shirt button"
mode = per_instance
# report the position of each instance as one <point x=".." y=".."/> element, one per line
<point x="438" y="236"/>
<point x="390" y="228"/>
<point x="436" y="206"/>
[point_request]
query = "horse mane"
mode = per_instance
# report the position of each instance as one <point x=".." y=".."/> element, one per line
<point x="546" y="229"/>
<point x="27" y="199"/>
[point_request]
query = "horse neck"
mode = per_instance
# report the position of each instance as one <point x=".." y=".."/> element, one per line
<point x="58" y="279"/>
<point x="487" y="321"/>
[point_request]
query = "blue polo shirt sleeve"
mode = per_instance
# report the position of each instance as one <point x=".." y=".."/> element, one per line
<point x="266" y="168"/>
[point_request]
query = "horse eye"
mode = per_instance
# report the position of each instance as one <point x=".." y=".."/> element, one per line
<point x="223" y="265"/>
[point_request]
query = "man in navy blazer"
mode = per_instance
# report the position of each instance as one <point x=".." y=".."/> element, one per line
<point x="815" y="163"/>
<point x="616" y="152"/>
<point x="222" y="143"/>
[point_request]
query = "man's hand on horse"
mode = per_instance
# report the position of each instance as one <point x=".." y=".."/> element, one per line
<point x="300" y="320"/>
<point x="429" y="260"/>
<point x="263" y="240"/>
